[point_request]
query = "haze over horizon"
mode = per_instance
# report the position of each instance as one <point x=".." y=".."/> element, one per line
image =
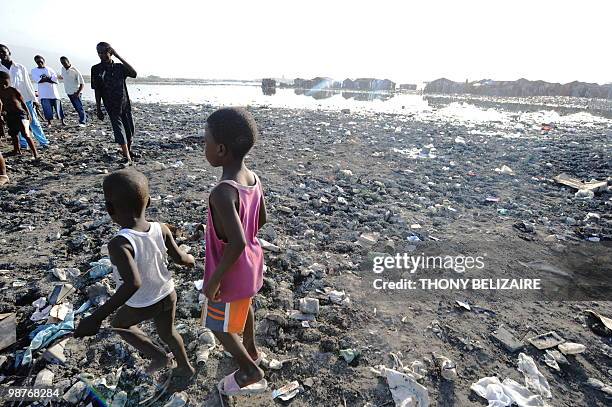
<point x="554" y="41"/>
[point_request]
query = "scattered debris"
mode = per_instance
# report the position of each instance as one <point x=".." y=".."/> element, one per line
<point x="100" y="268"/>
<point x="507" y="339"/>
<point x="55" y="353"/>
<point x="546" y="341"/>
<point x="534" y="380"/>
<point x="448" y="369"/>
<point x="287" y="392"/>
<point x="60" y="293"/>
<point x="593" y="185"/>
<point x="309" y="306"/>
<point x="8" y="330"/>
<point x="598" y="323"/>
<point x="405" y="390"/>
<point x="599" y="385"/>
<point x="349" y="354"/>
<point x="503" y="394"/>
<point x="44" y="378"/>
<point x="571" y="348"/>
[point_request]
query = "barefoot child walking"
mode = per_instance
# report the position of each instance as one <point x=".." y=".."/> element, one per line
<point x="145" y="286"/>
<point x="15" y="113"/>
<point x="233" y="272"/>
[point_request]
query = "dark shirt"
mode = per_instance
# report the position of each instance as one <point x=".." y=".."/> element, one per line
<point x="11" y="101"/>
<point x="109" y="80"/>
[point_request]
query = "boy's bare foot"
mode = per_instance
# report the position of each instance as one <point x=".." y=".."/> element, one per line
<point x="158" y="364"/>
<point x="4" y="179"/>
<point x="185" y="372"/>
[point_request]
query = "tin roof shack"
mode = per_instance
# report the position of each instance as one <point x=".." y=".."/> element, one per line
<point x="408" y="86"/>
<point x="364" y="83"/>
<point x="349" y="84"/>
<point x="268" y="83"/>
<point x="383" y="85"/>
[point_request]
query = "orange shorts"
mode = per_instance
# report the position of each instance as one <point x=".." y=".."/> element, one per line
<point x="227" y="316"/>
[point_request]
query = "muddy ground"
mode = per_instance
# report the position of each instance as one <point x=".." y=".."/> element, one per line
<point x="330" y="177"/>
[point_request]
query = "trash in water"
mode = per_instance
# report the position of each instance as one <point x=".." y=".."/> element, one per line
<point x="287" y="392"/>
<point x="405" y="390"/>
<point x="8" y="329"/>
<point x="546" y="341"/>
<point x="534" y="380"/>
<point x="571" y="348"/>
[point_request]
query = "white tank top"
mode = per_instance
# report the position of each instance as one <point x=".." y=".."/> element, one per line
<point x="151" y="258"/>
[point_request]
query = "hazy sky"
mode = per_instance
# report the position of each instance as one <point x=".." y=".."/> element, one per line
<point x="402" y="40"/>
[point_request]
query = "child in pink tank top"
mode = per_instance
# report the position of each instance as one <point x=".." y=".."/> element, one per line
<point x="233" y="272"/>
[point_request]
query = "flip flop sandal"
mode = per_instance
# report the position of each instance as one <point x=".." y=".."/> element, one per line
<point x="229" y="387"/>
<point x="160" y="391"/>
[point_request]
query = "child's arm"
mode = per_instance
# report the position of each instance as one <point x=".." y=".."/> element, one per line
<point x="263" y="212"/>
<point x="223" y="200"/>
<point x="175" y="253"/>
<point x="122" y="256"/>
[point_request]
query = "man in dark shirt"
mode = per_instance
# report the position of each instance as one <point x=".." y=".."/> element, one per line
<point x="108" y="82"/>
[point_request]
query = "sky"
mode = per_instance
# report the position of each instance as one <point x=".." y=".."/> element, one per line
<point x="405" y="41"/>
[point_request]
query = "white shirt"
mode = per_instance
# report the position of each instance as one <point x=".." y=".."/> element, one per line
<point x="151" y="258"/>
<point x="20" y="80"/>
<point x="72" y="80"/>
<point x="46" y="90"/>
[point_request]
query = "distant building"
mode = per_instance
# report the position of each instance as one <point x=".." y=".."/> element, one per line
<point x="268" y="83"/>
<point x="408" y="86"/>
<point x="348" y="84"/>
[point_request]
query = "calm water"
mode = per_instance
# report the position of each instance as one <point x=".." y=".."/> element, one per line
<point x="421" y="106"/>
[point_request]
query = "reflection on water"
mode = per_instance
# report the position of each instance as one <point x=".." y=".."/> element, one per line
<point x="423" y="107"/>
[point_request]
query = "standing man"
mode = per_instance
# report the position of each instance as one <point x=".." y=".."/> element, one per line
<point x="73" y="85"/>
<point x="108" y="82"/>
<point x="20" y="80"/>
<point x="47" y="90"/>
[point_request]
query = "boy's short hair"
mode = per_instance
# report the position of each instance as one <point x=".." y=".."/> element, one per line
<point x="127" y="189"/>
<point x="4" y="75"/>
<point x="64" y="59"/>
<point x="39" y="57"/>
<point x="235" y="127"/>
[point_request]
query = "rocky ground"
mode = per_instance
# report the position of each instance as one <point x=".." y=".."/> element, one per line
<point x="397" y="184"/>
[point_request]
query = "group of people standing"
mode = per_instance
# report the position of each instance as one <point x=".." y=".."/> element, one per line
<point x="19" y="101"/>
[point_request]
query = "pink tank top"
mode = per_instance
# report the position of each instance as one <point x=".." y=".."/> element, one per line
<point x="245" y="278"/>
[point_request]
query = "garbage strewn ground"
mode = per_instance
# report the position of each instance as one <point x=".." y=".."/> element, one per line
<point x="339" y="187"/>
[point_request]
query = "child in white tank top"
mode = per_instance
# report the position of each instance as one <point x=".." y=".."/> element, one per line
<point x="145" y="289"/>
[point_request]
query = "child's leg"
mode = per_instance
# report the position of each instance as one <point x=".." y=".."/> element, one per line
<point x="3" y="177"/>
<point x="226" y="320"/>
<point x="164" y="323"/>
<point x="248" y="337"/>
<point x="127" y="318"/>
<point x="248" y="373"/>
<point x="25" y="130"/>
